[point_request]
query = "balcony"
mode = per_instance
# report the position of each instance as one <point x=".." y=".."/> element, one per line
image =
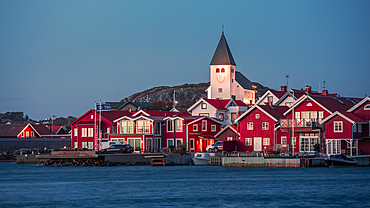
<point x="143" y="130"/>
<point x="300" y="123"/>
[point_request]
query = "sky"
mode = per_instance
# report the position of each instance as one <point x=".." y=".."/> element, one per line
<point x="59" y="57"/>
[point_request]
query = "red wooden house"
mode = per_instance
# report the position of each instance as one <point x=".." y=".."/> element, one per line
<point x="229" y="136"/>
<point x="90" y="129"/>
<point x="24" y="131"/>
<point x="259" y="128"/>
<point x="348" y="132"/>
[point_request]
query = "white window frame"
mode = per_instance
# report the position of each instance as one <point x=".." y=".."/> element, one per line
<point x="359" y="128"/>
<point x="204" y="125"/>
<point x="204" y="106"/>
<point x="192" y="144"/>
<point x="169" y="125"/>
<point x="283" y="140"/>
<point x="83" y="145"/>
<point x="178" y="123"/>
<point x="75" y="145"/>
<point x="90" y="145"/>
<point x="248" y="141"/>
<point x="195" y="127"/>
<point x="168" y="141"/>
<point x="221" y="116"/>
<point x="180" y="139"/>
<point x="266" y="141"/>
<point x="127" y="127"/>
<point x="257" y="116"/>
<point x="32" y="134"/>
<point x="75" y="131"/>
<point x="90" y="132"/>
<point x="338" y="126"/>
<point x="249" y="125"/>
<point x="354" y="128"/>
<point x="265" y="125"/>
<point x="83" y="132"/>
<point x="367" y="107"/>
<point x="213" y="128"/>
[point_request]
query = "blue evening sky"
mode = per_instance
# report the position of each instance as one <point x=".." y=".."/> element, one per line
<point x="58" y="57"/>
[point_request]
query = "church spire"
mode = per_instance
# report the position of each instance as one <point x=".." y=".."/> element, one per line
<point x="223" y="54"/>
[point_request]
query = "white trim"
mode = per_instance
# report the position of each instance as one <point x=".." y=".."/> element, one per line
<point x="303" y="98"/>
<point x="201" y="118"/>
<point x="197" y="103"/>
<point x="359" y="104"/>
<point x="285" y="96"/>
<point x="251" y="109"/>
<point x="123" y="117"/>
<point x="224" y="129"/>
<point x="336" y="113"/>
<point x="341" y="126"/>
<point x="265" y="95"/>
<point x="141" y="111"/>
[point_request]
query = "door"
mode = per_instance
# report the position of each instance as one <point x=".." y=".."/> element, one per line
<point x="149" y="145"/>
<point x="135" y="143"/>
<point x="257" y="144"/>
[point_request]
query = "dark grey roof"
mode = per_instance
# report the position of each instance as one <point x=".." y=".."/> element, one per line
<point x="243" y="81"/>
<point x="223" y="54"/>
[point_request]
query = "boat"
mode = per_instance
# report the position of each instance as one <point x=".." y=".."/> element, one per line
<point x="202" y="158"/>
<point x="340" y="161"/>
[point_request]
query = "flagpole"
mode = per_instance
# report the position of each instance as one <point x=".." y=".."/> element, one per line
<point x="95" y="133"/>
<point x="100" y="133"/>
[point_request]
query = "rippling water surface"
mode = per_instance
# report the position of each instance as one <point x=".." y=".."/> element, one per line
<point x="31" y="185"/>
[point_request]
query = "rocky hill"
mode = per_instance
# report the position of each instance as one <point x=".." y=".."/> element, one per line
<point x="186" y="94"/>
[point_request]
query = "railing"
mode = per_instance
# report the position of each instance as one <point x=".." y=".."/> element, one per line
<point x="143" y="130"/>
<point x="299" y="123"/>
<point x="281" y="147"/>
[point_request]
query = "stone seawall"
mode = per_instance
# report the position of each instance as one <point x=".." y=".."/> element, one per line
<point x="260" y="162"/>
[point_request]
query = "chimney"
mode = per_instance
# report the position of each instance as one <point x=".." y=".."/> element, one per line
<point x="308" y="89"/>
<point x="325" y="92"/>
<point x="283" y="88"/>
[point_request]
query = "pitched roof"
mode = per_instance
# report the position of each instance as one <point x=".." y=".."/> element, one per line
<point x="232" y="127"/>
<point x="11" y="130"/>
<point x="240" y="103"/>
<point x="352" y="118"/>
<point x="244" y="81"/>
<point x="222" y="55"/>
<point x="360" y="103"/>
<point x="216" y="103"/>
<point x="42" y="129"/>
<point x="109" y="115"/>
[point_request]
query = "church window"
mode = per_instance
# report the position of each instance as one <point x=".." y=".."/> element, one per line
<point x="220" y="90"/>
<point x="217" y="70"/>
<point x="223" y="70"/>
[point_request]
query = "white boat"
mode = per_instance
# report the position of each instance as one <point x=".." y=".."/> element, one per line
<point x="202" y="158"/>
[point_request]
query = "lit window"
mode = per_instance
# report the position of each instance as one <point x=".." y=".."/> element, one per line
<point x="223" y="70"/>
<point x="75" y="132"/>
<point x="217" y="70"/>
<point x="221" y="116"/>
<point x="309" y="104"/>
<point x="338" y="126"/>
<point x="269" y="99"/>
<point x="27" y="134"/>
<point x="257" y="116"/>
<point x="179" y="125"/>
<point x="265" y="125"/>
<point x="90" y="132"/>
<point x="233" y="117"/>
<point x="84" y="134"/>
<point x="249" y="125"/>
<point x="248" y="141"/>
<point x="90" y="145"/>
<point x="283" y="140"/>
<point x="204" y="105"/>
<point x="203" y="114"/>
<point x="92" y="116"/>
<point x="266" y="141"/>
<point x="229" y="139"/>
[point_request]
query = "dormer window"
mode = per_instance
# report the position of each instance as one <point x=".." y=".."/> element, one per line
<point x="367" y="107"/>
<point x="217" y="70"/>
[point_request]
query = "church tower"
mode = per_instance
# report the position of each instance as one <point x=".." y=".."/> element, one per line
<point x="222" y="74"/>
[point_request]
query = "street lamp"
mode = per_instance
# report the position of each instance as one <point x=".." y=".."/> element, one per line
<point x="293" y="120"/>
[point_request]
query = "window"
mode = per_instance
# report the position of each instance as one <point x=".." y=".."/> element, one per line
<point x="229" y="139"/>
<point x="90" y="132"/>
<point x="157" y="128"/>
<point x="220" y="90"/>
<point x="359" y="128"/>
<point x="179" y="125"/>
<point x="90" y="145"/>
<point x="288" y="104"/>
<point x="127" y="127"/>
<point x="249" y="125"/>
<point x="297" y="115"/>
<point x="223" y="70"/>
<point x="367" y="107"/>
<point x="233" y="117"/>
<point x="84" y="133"/>
<point x="265" y="125"/>
<point x="204" y="125"/>
<point x="266" y="141"/>
<point x="221" y="116"/>
<point x="143" y="127"/>
<point x="195" y="127"/>
<point x="169" y="125"/>
<point x="354" y="128"/>
<point x="321" y="115"/>
<point x="27" y="134"/>
<point x="170" y="142"/>
<point x="32" y="134"/>
<point x="218" y="70"/>
<point x="269" y="99"/>
<point x="283" y="140"/>
<point x="75" y="132"/>
<point x="203" y="114"/>
<point x="22" y="135"/>
<point x="178" y="143"/>
<point x="309" y="104"/>
<point x="338" y="126"/>
<point x="91" y="116"/>
<point x="294" y="142"/>
<point x="191" y="143"/>
<point x="232" y="70"/>
<point x="213" y="128"/>
<point x="83" y="144"/>
<point x="257" y="116"/>
<point x="75" y="144"/>
<point x="204" y="105"/>
<point x="248" y="141"/>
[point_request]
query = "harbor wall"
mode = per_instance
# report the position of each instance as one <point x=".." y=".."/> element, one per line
<point x="11" y="144"/>
<point x="260" y="162"/>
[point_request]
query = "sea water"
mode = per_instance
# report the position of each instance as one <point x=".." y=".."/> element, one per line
<point x="30" y="185"/>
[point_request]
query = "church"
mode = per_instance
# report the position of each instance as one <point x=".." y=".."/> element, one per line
<point x="226" y="82"/>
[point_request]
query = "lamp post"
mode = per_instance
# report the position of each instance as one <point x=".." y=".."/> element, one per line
<point x="293" y="121"/>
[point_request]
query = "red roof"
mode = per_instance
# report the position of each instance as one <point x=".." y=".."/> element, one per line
<point x="278" y="94"/>
<point x="333" y="103"/>
<point x="353" y="117"/>
<point x="165" y="113"/>
<point x="240" y="103"/>
<point x="11" y="130"/>
<point x="275" y="111"/>
<point x="42" y="130"/>
<point x="216" y="103"/>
